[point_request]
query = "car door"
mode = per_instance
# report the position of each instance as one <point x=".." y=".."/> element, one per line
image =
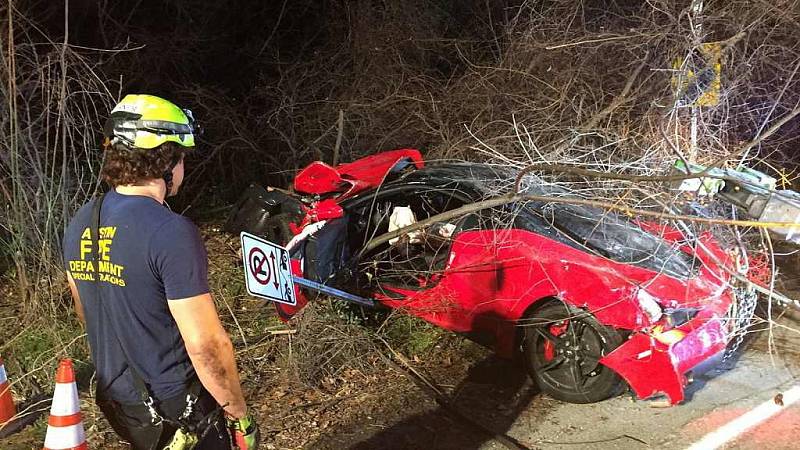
<point x="441" y="273"/>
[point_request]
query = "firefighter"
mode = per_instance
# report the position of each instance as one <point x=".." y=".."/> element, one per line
<point x="166" y="374"/>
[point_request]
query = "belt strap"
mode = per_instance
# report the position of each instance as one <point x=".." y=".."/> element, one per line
<point x="138" y="381"/>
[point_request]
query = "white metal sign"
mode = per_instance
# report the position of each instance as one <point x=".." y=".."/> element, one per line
<point x="267" y="271"/>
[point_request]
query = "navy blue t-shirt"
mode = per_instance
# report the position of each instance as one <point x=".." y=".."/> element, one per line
<point x="148" y="254"/>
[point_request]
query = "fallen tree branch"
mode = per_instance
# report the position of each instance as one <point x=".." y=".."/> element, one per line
<point x="597" y="40"/>
<point x="511" y="198"/>
<point x="705" y="173"/>
<point x="770" y="131"/>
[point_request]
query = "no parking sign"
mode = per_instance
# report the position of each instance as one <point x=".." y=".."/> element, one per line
<point x="267" y="271"/>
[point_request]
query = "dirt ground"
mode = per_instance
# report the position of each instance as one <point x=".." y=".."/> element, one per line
<point x="394" y="413"/>
<point x="378" y="405"/>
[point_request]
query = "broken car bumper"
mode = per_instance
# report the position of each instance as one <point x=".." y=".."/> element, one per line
<point x="656" y="362"/>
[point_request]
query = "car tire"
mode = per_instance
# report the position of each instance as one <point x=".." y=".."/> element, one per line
<point x="551" y="335"/>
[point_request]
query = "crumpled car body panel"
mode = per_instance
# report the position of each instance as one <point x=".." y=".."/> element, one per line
<point x="651" y="367"/>
<point x="351" y="178"/>
<point x="493" y="277"/>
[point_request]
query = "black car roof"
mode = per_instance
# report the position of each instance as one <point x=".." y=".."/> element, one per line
<point x="588" y="228"/>
<point x="481" y="176"/>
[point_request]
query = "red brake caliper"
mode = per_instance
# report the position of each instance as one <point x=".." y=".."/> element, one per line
<point x="550" y="346"/>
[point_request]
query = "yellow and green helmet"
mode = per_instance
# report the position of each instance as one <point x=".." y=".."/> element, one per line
<point x="146" y="121"/>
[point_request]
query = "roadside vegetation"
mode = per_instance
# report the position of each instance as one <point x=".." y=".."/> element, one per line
<point x="592" y="84"/>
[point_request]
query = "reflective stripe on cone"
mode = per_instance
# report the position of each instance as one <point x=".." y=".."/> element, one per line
<point x="69" y="403"/>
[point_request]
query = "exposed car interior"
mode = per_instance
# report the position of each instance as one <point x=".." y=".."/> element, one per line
<point x="414" y="260"/>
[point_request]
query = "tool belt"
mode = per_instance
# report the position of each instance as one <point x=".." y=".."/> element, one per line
<point x="191" y="426"/>
<point x="176" y="423"/>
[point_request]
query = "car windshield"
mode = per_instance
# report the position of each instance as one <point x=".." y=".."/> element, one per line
<point x="606" y="233"/>
<point x="601" y="232"/>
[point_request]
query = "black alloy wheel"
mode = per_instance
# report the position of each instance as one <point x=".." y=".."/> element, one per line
<point x="562" y="347"/>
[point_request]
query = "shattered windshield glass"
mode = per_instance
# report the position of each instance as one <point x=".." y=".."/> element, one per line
<point x="607" y="234"/>
<point x="598" y="231"/>
<point x="619" y="239"/>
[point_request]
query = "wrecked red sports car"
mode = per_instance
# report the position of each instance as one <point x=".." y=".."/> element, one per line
<point x="590" y="299"/>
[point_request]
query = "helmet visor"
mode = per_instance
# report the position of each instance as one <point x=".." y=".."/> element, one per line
<point x="135" y="132"/>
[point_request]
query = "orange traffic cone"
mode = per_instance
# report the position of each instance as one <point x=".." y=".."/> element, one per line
<point x="7" y="410"/>
<point x="65" y="428"/>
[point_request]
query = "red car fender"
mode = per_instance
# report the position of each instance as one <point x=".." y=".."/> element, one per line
<point x="538" y="268"/>
<point x="357" y="176"/>
<point x="647" y="368"/>
<point x="494" y="276"/>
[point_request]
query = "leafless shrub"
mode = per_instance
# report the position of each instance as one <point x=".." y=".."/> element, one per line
<point x="329" y="342"/>
<point x="49" y="138"/>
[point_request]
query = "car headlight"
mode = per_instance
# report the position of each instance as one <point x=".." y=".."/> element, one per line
<point x="649" y="305"/>
<point x="668" y="337"/>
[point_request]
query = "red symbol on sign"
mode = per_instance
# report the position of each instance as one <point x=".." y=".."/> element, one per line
<point x="258" y="261"/>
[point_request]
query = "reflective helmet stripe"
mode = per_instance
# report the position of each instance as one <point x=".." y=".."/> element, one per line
<point x="147" y="121"/>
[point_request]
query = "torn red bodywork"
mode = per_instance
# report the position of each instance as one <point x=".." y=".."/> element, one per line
<point x="493" y="278"/>
<point x="347" y="180"/>
<point x="351" y="178"/>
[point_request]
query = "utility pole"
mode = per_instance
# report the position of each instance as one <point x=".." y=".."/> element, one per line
<point x="697" y="11"/>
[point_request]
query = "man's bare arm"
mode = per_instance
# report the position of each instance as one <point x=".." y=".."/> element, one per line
<point x="210" y="350"/>
<point x="77" y="298"/>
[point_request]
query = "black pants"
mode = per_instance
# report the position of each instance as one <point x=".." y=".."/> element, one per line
<point x="132" y="423"/>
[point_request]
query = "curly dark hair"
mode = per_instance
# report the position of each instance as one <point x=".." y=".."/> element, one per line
<point x="125" y="165"/>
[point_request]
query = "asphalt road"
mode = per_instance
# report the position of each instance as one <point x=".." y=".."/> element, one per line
<point x="714" y="399"/>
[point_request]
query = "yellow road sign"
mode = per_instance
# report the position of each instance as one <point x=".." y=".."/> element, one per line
<point x="698" y="79"/>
